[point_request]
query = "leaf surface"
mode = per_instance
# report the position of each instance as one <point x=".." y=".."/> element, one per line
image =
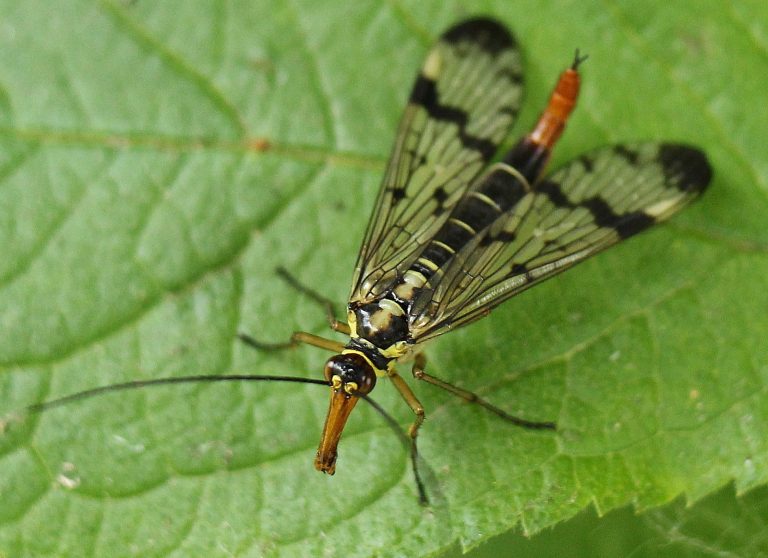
<point x="159" y="160"/>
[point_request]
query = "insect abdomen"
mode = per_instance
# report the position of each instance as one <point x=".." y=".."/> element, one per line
<point x="495" y="195"/>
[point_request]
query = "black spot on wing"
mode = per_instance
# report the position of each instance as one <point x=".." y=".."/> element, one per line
<point x="685" y="167"/>
<point x="514" y="77"/>
<point x="589" y="164"/>
<point x="629" y="154"/>
<point x="554" y="193"/>
<point x="509" y="111"/>
<point x="425" y="94"/>
<point x="519" y="269"/>
<point x="398" y="194"/>
<point x="632" y="223"/>
<point x="503" y="236"/>
<point x="440" y="195"/>
<point x="603" y="214"/>
<point x="488" y="34"/>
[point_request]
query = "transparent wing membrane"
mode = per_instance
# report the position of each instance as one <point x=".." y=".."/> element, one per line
<point x="463" y="104"/>
<point x="588" y="205"/>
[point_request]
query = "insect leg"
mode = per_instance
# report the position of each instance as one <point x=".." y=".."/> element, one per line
<point x="336" y="325"/>
<point x="420" y="363"/>
<point x="297" y="338"/>
<point x="413" y="431"/>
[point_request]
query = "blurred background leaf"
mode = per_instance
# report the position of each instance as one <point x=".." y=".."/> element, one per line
<point x="159" y="160"/>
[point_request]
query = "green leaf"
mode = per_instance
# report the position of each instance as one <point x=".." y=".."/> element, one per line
<point x="721" y="524"/>
<point x="158" y="160"/>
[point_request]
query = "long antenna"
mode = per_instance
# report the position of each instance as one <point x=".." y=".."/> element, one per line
<point x="136" y="384"/>
<point x="37" y="408"/>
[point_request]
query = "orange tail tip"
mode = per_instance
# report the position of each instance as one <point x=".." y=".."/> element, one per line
<point x="562" y="101"/>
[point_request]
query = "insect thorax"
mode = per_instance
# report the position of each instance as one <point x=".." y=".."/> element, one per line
<point x="382" y="323"/>
<point x="380" y="329"/>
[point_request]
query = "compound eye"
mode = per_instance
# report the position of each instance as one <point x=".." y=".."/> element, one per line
<point x="365" y="382"/>
<point x="328" y="371"/>
<point x="350" y="372"/>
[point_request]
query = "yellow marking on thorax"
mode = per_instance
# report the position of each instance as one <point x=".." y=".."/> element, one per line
<point x="396" y="350"/>
<point x="378" y="371"/>
<point x="352" y="321"/>
<point x="390" y="306"/>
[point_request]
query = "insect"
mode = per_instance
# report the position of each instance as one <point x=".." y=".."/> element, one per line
<point x="452" y="235"/>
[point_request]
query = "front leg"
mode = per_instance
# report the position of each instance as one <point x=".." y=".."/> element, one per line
<point x="330" y="314"/>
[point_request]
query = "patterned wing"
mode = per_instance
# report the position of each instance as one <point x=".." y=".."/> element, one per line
<point x="462" y="106"/>
<point x="588" y="205"/>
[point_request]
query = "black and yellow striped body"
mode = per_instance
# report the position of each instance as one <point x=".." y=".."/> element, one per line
<point x="452" y="236"/>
